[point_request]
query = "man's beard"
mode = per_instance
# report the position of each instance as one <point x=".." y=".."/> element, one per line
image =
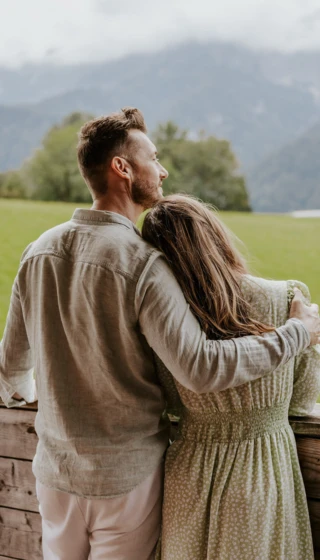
<point x="145" y="193"/>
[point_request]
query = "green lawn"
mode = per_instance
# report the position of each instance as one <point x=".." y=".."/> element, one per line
<point x="278" y="247"/>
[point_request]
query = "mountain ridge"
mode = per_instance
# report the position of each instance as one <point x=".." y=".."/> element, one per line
<point x="289" y="179"/>
<point x="259" y="100"/>
<point x="215" y="87"/>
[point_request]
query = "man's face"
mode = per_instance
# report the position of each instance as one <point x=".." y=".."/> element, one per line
<point x="148" y="173"/>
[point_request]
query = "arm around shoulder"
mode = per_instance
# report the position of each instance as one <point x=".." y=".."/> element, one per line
<point x="202" y="365"/>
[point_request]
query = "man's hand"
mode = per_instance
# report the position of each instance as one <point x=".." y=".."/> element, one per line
<point x="308" y="314"/>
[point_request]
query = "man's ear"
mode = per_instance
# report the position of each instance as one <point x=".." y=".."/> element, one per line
<point x="121" y="167"/>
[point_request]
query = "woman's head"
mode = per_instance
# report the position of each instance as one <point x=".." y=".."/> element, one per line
<point x="207" y="265"/>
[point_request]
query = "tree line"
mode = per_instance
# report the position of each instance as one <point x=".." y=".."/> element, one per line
<point x="203" y="166"/>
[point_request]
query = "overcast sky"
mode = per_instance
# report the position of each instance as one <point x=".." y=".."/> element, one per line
<point x="87" y="30"/>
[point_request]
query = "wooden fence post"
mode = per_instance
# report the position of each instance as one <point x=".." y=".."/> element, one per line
<point x="307" y="431"/>
<point x="20" y="523"/>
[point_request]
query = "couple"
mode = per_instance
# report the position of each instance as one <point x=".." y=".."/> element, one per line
<point x="118" y="327"/>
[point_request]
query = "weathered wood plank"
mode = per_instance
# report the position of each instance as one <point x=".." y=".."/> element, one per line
<point x="307" y="432"/>
<point x="7" y="558"/>
<point x="314" y="511"/>
<point x="31" y="406"/>
<point x="10" y="558"/>
<point x="18" y="438"/>
<point x="17" y="485"/>
<point x="309" y="457"/>
<point x="20" y="534"/>
<point x="307" y="425"/>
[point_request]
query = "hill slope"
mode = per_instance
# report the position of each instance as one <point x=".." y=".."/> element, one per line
<point x="226" y="90"/>
<point x="289" y="179"/>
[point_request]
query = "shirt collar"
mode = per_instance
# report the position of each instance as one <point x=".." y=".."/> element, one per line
<point x="101" y="217"/>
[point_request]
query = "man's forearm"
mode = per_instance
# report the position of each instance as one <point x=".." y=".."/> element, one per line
<point x="244" y="359"/>
<point x="16" y="362"/>
<point x="197" y="363"/>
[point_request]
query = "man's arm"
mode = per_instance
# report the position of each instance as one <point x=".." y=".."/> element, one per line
<point x="16" y="364"/>
<point x="199" y="364"/>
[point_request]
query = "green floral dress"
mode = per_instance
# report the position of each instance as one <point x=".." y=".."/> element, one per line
<point x="233" y="486"/>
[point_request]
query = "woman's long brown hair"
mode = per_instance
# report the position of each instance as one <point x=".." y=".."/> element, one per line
<point x="208" y="267"/>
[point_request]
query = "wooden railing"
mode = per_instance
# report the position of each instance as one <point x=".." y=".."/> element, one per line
<point x="20" y="524"/>
<point x="307" y="432"/>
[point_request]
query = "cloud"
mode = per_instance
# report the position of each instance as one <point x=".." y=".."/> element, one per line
<point x="311" y="20"/>
<point x="91" y="30"/>
<point x="115" y="7"/>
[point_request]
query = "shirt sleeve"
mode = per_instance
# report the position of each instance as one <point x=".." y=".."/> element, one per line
<point x="199" y="364"/>
<point x="306" y="385"/>
<point x="16" y="363"/>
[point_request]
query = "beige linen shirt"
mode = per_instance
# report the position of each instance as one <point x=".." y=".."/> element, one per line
<point x="91" y="306"/>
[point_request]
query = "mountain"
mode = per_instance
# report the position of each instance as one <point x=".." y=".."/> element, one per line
<point x="21" y="131"/>
<point x="290" y="178"/>
<point x="300" y="70"/>
<point x="34" y="82"/>
<point x="227" y="90"/>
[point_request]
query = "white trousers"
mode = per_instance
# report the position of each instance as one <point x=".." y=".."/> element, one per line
<point x="122" y="528"/>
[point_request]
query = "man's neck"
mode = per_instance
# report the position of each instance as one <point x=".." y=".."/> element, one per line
<point x="125" y="208"/>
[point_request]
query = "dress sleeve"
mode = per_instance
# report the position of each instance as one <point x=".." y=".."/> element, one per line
<point x="306" y="385"/>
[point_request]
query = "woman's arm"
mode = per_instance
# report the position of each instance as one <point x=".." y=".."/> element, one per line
<point x="306" y="386"/>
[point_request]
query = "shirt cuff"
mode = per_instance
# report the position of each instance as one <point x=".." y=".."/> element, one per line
<point x="26" y="389"/>
<point x="307" y="337"/>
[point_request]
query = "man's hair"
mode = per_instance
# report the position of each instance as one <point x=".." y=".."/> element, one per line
<point x="101" y="139"/>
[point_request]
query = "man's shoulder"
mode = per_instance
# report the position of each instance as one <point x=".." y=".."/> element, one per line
<point x="46" y="241"/>
<point x="126" y="249"/>
<point x="113" y="247"/>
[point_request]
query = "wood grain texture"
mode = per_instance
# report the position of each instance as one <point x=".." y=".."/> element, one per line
<point x="18" y="438"/>
<point x="309" y="457"/>
<point x="307" y="425"/>
<point x="31" y="406"/>
<point x="20" y="534"/>
<point x="314" y="511"/>
<point x="7" y="558"/>
<point x="17" y="485"/>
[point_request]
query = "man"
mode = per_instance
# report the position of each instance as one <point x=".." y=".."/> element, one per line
<point x="91" y="303"/>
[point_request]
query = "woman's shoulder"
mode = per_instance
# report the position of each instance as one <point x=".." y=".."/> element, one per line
<point x="271" y="299"/>
<point x="254" y="283"/>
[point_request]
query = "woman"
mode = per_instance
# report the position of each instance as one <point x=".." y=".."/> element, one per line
<point x="233" y="486"/>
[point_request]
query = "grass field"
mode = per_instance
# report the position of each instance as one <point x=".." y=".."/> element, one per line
<point x="276" y="246"/>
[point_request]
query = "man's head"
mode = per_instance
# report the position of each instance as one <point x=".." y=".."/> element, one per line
<point x="117" y="158"/>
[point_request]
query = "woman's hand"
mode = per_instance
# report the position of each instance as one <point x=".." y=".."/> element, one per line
<point x="307" y="314"/>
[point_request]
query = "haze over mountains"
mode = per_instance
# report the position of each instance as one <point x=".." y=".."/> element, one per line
<point x="260" y="101"/>
<point x="289" y="179"/>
